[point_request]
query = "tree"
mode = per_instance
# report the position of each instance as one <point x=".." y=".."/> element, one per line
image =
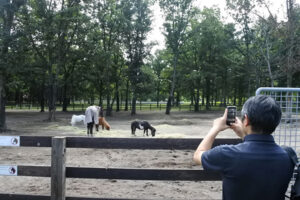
<point x="291" y="63"/>
<point x="177" y="15"/>
<point x="108" y="15"/>
<point x="137" y="25"/>
<point x="8" y="10"/>
<point x="158" y="64"/>
<point x="191" y="58"/>
<point x="241" y="12"/>
<point x="205" y="56"/>
<point x="278" y="42"/>
<point x="51" y="28"/>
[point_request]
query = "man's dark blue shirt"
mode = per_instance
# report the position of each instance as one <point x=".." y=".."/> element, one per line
<point x="257" y="169"/>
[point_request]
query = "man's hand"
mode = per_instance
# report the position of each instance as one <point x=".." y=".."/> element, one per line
<point x="238" y="128"/>
<point x="220" y="123"/>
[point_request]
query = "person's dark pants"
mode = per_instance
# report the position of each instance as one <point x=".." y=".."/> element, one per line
<point x="90" y="127"/>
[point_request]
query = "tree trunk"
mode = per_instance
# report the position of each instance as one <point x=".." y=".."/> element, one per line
<point x="291" y="42"/>
<point x="127" y="96"/>
<point x="240" y="100"/>
<point x="177" y="99"/>
<point x="101" y="95"/>
<point x="117" y="97"/>
<point x="17" y="97"/>
<point x="7" y="22"/>
<point x="42" y="98"/>
<point x="112" y="105"/>
<point x="225" y="88"/>
<point x="289" y="79"/>
<point x="133" y="105"/>
<point x="52" y="98"/>
<point x="168" y="108"/>
<point x="2" y="103"/>
<point x="157" y="95"/>
<point x="203" y="97"/>
<point x="65" y="99"/>
<point x="207" y="94"/>
<point x="108" y="107"/>
<point x="197" y="99"/>
<point x="235" y="95"/>
<point x="267" y="58"/>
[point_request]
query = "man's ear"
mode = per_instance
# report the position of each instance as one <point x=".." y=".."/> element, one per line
<point x="246" y="121"/>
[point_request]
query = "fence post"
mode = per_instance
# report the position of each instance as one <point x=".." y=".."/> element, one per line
<point x="58" y="168"/>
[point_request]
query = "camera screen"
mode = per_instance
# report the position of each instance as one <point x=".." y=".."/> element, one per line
<point x="231" y="115"/>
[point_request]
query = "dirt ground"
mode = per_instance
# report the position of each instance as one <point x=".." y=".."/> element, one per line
<point x="176" y="125"/>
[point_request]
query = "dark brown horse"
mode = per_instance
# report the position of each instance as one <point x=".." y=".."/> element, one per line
<point x="142" y="125"/>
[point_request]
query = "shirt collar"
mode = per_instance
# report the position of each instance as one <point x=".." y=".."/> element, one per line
<point x="259" y="137"/>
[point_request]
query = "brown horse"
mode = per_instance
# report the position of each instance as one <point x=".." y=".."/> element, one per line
<point x="103" y="123"/>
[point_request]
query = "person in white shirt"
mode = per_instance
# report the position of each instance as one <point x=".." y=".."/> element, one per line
<point x="91" y="118"/>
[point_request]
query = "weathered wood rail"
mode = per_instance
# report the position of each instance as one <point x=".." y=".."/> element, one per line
<point x="58" y="171"/>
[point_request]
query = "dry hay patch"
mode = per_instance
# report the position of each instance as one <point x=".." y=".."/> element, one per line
<point x="177" y="122"/>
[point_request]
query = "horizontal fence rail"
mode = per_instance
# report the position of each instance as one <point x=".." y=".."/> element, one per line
<point x="41" y="197"/>
<point x="125" y="174"/>
<point x="124" y="143"/>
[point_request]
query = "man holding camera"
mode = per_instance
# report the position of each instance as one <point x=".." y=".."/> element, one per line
<point x="257" y="169"/>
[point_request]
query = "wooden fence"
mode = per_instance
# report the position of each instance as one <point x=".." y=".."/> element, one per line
<point x="58" y="171"/>
<point x="82" y="107"/>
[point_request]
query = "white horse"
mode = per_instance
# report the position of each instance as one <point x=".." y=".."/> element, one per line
<point x="77" y="118"/>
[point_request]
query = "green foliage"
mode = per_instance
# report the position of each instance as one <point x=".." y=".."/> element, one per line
<point x="97" y="51"/>
<point x="137" y="25"/>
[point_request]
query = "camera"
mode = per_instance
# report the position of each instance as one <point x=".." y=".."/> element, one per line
<point x="231" y="115"/>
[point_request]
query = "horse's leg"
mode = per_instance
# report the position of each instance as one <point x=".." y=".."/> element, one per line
<point x="103" y="124"/>
<point x="133" y="130"/>
<point x="145" y="131"/>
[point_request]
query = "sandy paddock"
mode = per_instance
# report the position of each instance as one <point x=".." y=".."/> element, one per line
<point x="176" y="125"/>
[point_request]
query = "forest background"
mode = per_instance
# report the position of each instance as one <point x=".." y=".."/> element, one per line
<point x="65" y="52"/>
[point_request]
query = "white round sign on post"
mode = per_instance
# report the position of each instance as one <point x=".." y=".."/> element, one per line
<point x="12" y="141"/>
<point x="9" y="170"/>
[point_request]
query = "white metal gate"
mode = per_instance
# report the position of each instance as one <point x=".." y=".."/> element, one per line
<point x="288" y="131"/>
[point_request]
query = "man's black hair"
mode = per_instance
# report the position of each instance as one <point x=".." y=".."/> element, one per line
<point x="263" y="112"/>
